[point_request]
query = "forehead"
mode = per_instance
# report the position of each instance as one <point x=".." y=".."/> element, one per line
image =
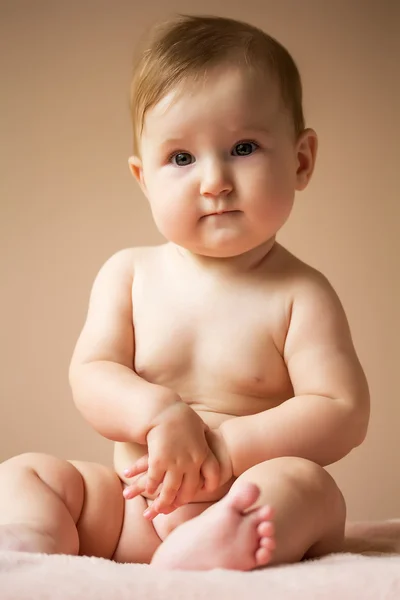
<point x="225" y="98"/>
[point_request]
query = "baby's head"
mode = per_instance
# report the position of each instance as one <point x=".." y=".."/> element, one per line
<point x="218" y="128"/>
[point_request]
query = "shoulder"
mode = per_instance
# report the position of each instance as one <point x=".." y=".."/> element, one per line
<point x="316" y="316"/>
<point x="313" y="307"/>
<point x="303" y="283"/>
<point x="124" y="262"/>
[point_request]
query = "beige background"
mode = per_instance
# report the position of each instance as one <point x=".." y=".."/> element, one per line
<point x="68" y="201"/>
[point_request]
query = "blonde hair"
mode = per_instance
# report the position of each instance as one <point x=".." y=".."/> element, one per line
<point x="184" y="48"/>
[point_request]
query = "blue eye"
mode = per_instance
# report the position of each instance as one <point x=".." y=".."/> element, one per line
<point x="245" y="148"/>
<point x="182" y="159"/>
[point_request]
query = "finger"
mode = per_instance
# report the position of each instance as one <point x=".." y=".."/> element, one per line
<point x="155" y="476"/>
<point x="150" y="513"/>
<point x="189" y="486"/>
<point x="170" y="488"/>
<point x="210" y="470"/>
<point x="167" y="511"/>
<point x="140" y="466"/>
<point x="136" y="488"/>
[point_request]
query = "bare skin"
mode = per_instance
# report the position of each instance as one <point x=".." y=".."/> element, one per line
<point x="270" y="533"/>
<point x="224" y="536"/>
<point x="221" y="365"/>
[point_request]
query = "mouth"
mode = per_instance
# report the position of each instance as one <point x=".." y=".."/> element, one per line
<point x="222" y="212"/>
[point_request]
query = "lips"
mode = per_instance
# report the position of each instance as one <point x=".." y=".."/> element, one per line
<point x="222" y="212"/>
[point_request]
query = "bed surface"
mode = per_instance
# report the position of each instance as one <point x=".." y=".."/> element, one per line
<point x="371" y="571"/>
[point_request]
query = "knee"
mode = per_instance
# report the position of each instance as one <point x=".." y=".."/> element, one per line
<point x="55" y="472"/>
<point x="321" y="486"/>
<point x="303" y="472"/>
<point x="288" y="467"/>
<point x="27" y="460"/>
<point x="314" y="480"/>
<point x="300" y="476"/>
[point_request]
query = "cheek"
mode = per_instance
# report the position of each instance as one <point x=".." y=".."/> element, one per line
<point x="262" y="182"/>
<point x="273" y="189"/>
<point x="171" y="207"/>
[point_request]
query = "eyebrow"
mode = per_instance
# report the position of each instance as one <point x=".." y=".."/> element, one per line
<point x="172" y="141"/>
<point x="253" y="128"/>
<point x="247" y="128"/>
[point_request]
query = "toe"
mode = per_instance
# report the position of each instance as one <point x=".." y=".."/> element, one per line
<point x="262" y="514"/>
<point x="268" y="543"/>
<point x="263" y="556"/>
<point x="242" y="495"/>
<point x="265" y="529"/>
<point x="265" y="512"/>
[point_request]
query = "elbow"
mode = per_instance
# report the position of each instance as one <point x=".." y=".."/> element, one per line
<point x="351" y="428"/>
<point x="76" y="378"/>
<point x="74" y="373"/>
<point x="73" y="379"/>
<point x="79" y="371"/>
<point x="357" y="415"/>
<point x="361" y="422"/>
<point x="72" y="376"/>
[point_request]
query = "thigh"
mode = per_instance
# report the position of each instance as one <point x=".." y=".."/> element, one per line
<point x="101" y="517"/>
<point x="138" y="538"/>
<point x="110" y="526"/>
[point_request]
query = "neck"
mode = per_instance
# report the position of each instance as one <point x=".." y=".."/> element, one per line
<point x="243" y="263"/>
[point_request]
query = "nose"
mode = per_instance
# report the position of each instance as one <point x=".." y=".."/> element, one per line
<point x="215" y="180"/>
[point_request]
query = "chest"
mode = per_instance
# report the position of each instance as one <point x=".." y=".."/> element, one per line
<point x="209" y="336"/>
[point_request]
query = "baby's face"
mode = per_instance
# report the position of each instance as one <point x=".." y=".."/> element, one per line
<point x="219" y="165"/>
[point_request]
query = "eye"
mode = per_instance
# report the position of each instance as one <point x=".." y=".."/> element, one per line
<point x="181" y="159"/>
<point x="245" y="148"/>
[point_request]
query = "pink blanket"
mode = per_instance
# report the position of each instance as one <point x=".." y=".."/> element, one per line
<point x="370" y="576"/>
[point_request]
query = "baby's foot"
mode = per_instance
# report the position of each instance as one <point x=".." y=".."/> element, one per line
<point x="23" y="538"/>
<point x="223" y="537"/>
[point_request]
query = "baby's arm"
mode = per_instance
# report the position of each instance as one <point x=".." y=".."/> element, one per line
<point x="328" y="415"/>
<point x="110" y="395"/>
<point x="122" y="406"/>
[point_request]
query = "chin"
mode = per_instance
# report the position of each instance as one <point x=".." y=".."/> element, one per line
<point x="217" y="254"/>
<point x="224" y="250"/>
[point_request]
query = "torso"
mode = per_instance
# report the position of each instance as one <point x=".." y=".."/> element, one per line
<point x="216" y="341"/>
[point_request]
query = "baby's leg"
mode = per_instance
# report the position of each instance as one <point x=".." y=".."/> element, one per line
<point x="41" y="498"/>
<point x="309" y="509"/>
<point x="54" y="506"/>
<point x="303" y="501"/>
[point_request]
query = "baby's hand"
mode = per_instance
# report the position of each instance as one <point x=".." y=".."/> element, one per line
<point x="139" y="486"/>
<point x="178" y="456"/>
<point x="219" y="448"/>
<point x="140" y="470"/>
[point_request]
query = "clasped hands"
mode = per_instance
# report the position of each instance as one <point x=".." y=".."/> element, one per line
<point x="184" y="456"/>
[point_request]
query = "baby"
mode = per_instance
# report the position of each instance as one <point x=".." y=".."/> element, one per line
<point x="220" y="364"/>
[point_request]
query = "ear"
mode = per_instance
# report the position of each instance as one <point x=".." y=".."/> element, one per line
<point x="306" y="153"/>
<point x="136" y="168"/>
